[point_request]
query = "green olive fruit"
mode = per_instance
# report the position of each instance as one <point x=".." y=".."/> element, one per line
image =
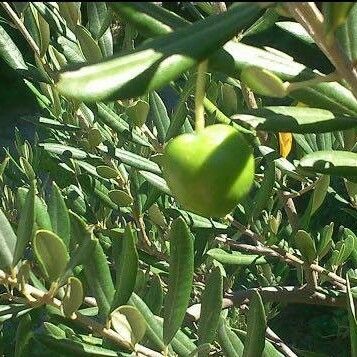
<point x="209" y="172"/>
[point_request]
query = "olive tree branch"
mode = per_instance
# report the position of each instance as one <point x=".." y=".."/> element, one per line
<point x="310" y="17"/>
<point x="92" y="325"/>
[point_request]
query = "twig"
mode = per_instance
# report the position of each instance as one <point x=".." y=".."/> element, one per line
<point x="21" y="27"/>
<point x="290" y="209"/>
<point x="82" y="319"/>
<point x="279" y="343"/>
<point x="281" y="254"/>
<point x="310" y="17"/>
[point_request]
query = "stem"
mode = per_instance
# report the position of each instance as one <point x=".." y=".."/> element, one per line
<point x="21" y="27"/>
<point x="310" y="17"/>
<point x="81" y="319"/>
<point x="200" y="94"/>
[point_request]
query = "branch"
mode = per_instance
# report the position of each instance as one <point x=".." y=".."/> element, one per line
<point x="310" y="17"/>
<point x="81" y="319"/>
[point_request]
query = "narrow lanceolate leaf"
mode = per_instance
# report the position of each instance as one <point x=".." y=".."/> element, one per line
<point x="158" y="114"/>
<point x="152" y="20"/>
<point x="339" y="163"/>
<point x="320" y="192"/>
<point x="264" y="193"/>
<point x="24" y="334"/>
<point x="154" y="328"/>
<point x="127" y="264"/>
<point x="156" y="63"/>
<point x="7" y="243"/>
<point x="344" y="34"/>
<point x="180" y="278"/>
<point x="211" y="306"/>
<point x="352" y="319"/>
<point x="335" y="15"/>
<point x="51" y="254"/>
<point x="9" y="51"/>
<point x="128" y="322"/>
<point x="73" y="297"/>
<point x="59" y="215"/>
<point x="96" y="269"/>
<point x="42" y="218"/>
<point x="25" y="228"/>
<point x="296" y="120"/>
<point x="229" y="341"/>
<point x="235" y="258"/>
<point x="256" y="326"/>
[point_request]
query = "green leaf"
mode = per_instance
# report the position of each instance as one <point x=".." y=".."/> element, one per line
<point x="306" y="245"/>
<point x="296" y="120"/>
<point x="156" y="63"/>
<point x="9" y="51"/>
<point x="211" y="306"/>
<point x="235" y="258"/>
<point x="352" y="319"/>
<point x="156" y="181"/>
<point x="26" y="226"/>
<point x="118" y="124"/>
<point x="338" y="163"/>
<point x="138" y="112"/>
<point x="320" y="192"/>
<point x="7" y="243"/>
<point x="229" y="341"/>
<point x="73" y="297"/>
<point x="154" y="328"/>
<point x="120" y="198"/>
<point x="59" y="149"/>
<point x="128" y="322"/>
<point x="127" y="267"/>
<point x="265" y="191"/>
<point x="96" y="269"/>
<point x="58" y="212"/>
<point x="297" y="30"/>
<point x="51" y="254"/>
<point x="133" y="160"/>
<point x="89" y="47"/>
<point x="180" y="278"/>
<point x="71" y="13"/>
<point x="153" y="20"/>
<point x="24" y="334"/>
<point x="159" y="116"/>
<point x="256" y="326"/>
<point x="154" y="296"/>
<point x="344" y="34"/>
<point x="335" y="15"/>
<point x="42" y="217"/>
<point x="325" y="242"/>
<point x="107" y="172"/>
<point x="263" y="82"/>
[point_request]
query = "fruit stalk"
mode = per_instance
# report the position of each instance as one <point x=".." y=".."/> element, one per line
<point x="199" y="95"/>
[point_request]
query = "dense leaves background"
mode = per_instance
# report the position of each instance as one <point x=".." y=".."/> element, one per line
<point x="97" y="257"/>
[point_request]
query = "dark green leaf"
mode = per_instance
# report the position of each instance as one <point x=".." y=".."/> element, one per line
<point x="296" y="120"/>
<point x="127" y="267"/>
<point x="51" y="254"/>
<point x="157" y="62"/>
<point x="256" y="326"/>
<point x="180" y="278"/>
<point x="58" y="212"/>
<point x="26" y="226"/>
<point x="211" y="306"/>
<point x="7" y="243"/>
<point x="339" y="163"/>
<point x="235" y="258"/>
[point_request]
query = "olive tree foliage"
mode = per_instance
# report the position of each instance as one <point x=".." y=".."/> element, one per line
<point x="97" y="256"/>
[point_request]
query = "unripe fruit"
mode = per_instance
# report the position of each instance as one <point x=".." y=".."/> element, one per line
<point x="209" y="172"/>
